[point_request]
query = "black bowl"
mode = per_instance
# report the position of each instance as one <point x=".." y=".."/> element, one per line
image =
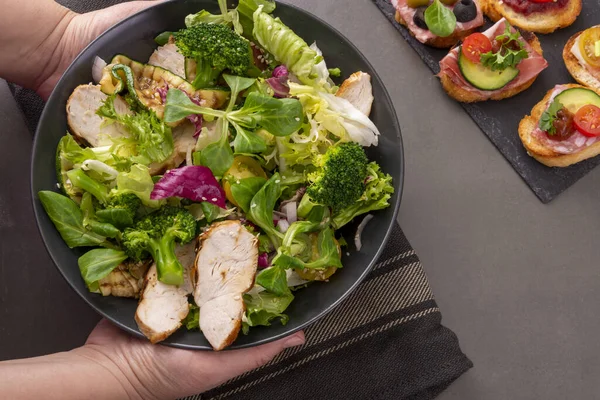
<point x="134" y="37"/>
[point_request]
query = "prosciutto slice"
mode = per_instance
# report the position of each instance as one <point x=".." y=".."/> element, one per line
<point x="528" y="68"/>
<point x="423" y="35"/>
<point x="573" y="144"/>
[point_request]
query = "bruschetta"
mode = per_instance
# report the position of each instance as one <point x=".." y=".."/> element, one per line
<point x="582" y="57"/>
<point x="493" y="65"/>
<point x="455" y="19"/>
<point x="563" y="128"/>
<point x="541" y="16"/>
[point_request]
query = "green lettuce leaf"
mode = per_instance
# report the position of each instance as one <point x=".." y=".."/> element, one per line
<point x="68" y="220"/>
<point x="336" y="115"/>
<point x="138" y="181"/>
<point x="227" y="17"/>
<point x="246" y="9"/>
<point x="262" y="207"/>
<point x="98" y="263"/>
<point x="287" y="47"/>
<point x="262" y="308"/>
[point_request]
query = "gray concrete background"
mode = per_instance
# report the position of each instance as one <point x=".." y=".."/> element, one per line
<point x="515" y="279"/>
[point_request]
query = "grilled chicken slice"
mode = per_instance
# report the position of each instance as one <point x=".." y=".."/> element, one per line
<point x="83" y="120"/>
<point x="184" y="143"/>
<point x="225" y="268"/>
<point x="221" y="320"/>
<point x="162" y="307"/>
<point x="124" y="281"/>
<point x="169" y="58"/>
<point x="357" y="90"/>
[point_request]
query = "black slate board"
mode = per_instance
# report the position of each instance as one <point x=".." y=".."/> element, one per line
<point x="499" y="120"/>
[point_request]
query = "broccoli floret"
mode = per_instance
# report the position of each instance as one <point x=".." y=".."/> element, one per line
<point x="157" y="234"/>
<point x="340" y="177"/>
<point x="376" y="196"/>
<point x="119" y="207"/>
<point x="215" y="48"/>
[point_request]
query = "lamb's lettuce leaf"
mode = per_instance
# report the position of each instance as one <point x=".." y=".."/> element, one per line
<point x="96" y="264"/>
<point x="264" y="307"/>
<point x="68" y="220"/>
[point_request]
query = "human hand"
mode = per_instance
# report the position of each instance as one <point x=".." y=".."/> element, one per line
<point x="80" y="31"/>
<point x="160" y="372"/>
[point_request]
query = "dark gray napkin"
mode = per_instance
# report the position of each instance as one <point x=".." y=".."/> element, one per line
<point x="499" y="120"/>
<point x="385" y="341"/>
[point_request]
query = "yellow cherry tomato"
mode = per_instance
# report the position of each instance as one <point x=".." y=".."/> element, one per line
<point x="242" y="167"/>
<point x="588" y="44"/>
<point x="313" y="274"/>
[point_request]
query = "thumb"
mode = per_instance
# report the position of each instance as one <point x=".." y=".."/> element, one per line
<point x="231" y="363"/>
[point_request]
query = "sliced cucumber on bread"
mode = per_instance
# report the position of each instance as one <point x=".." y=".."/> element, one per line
<point x="484" y="78"/>
<point x="557" y="153"/>
<point x="575" y="98"/>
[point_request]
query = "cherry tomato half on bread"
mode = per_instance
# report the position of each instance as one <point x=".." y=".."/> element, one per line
<point x="587" y="46"/>
<point x="541" y="1"/>
<point x="587" y="120"/>
<point x="475" y="45"/>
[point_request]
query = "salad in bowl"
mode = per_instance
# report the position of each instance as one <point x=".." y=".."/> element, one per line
<point x="211" y="181"/>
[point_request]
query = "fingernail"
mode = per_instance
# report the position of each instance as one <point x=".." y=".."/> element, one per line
<point x="296" y="340"/>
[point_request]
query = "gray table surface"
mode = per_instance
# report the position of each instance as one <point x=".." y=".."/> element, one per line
<point x="518" y="281"/>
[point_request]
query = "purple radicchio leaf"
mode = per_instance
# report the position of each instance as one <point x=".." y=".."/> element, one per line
<point x="193" y="182"/>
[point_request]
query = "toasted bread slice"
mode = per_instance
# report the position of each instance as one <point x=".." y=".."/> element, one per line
<point x="541" y="152"/>
<point x="465" y="96"/>
<point x="540" y="22"/>
<point x="579" y="72"/>
<point x="438" y="41"/>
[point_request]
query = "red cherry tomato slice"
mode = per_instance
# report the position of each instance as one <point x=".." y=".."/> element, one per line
<point x="587" y="120"/>
<point x="541" y="1"/>
<point x="475" y="45"/>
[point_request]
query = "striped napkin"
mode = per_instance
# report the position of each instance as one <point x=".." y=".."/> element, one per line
<point x="385" y="341"/>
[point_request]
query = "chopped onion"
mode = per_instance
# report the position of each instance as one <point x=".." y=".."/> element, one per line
<point x="188" y="156"/>
<point x="283" y="225"/>
<point x="97" y="68"/>
<point x="290" y="211"/>
<point x="293" y="279"/>
<point x="296" y="197"/>
<point x="361" y="226"/>
<point x="99" y="166"/>
<point x="278" y="215"/>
